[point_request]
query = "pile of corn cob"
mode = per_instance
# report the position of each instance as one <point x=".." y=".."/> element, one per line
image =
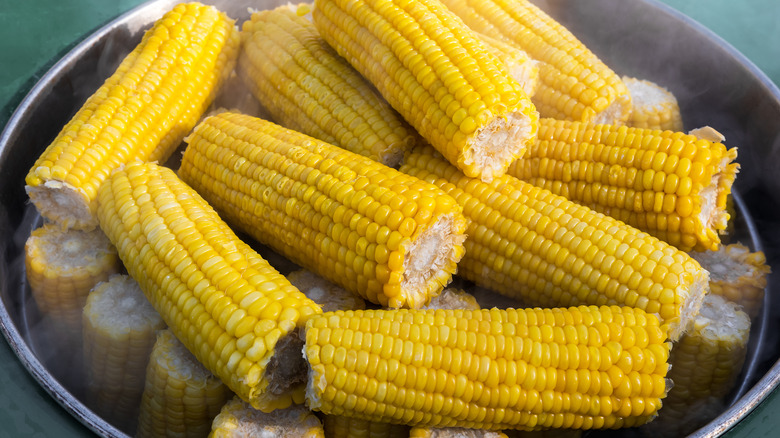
<point x="417" y="140"/>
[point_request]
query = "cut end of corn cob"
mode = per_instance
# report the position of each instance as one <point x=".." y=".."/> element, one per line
<point x="737" y="274"/>
<point x="337" y="426"/>
<point x="118" y="308"/>
<point x="720" y="321"/>
<point x="238" y="419"/>
<point x="497" y="144"/>
<point x="654" y="107"/>
<point x="329" y="296"/>
<point x="141" y="112"/>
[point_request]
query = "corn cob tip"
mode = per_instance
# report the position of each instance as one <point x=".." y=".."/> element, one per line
<point x="238" y="419"/>
<point x="62" y="203"/>
<point x="692" y="300"/>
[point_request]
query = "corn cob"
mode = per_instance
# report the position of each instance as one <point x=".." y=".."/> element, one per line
<point x="705" y="364"/>
<point x="437" y="73"/>
<point x="525" y="239"/>
<point x="671" y="185"/>
<point x="370" y="229"/>
<point x="737" y="274"/>
<point x="62" y="266"/>
<point x="520" y="66"/>
<point x="232" y="310"/>
<point x="237" y="419"/>
<point x="120" y="328"/>
<point x="654" y="107"/>
<point x="329" y="296"/>
<point x="141" y="112"/>
<point x="574" y="84"/>
<point x="337" y="426"/>
<point x="581" y="367"/>
<point x="307" y="87"/>
<point x="181" y="397"/>
<point x="453" y="432"/>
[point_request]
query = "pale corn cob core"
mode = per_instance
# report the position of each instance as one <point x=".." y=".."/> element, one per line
<point x="527" y="242"/>
<point x="436" y="73"/>
<point x="141" y="112"/>
<point x="237" y="419"/>
<point x="233" y="310"/>
<point x="654" y="107"/>
<point x="584" y="367"/>
<point x="379" y="233"/>
<point x="306" y="86"/>
<point x="737" y="274"/>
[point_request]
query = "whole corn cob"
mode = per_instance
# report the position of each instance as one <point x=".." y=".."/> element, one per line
<point x="574" y="84"/>
<point x="181" y="397"/>
<point x="389" y="237"/>
<point x="671" y="185"/>
<point x="705" y="364"/>
<point x="237" y="419"/>
<point x="329" y="296"/>
<point x="654" y="107"/>
<point x="525" y="241"/>
<point x="309" y="88"/>
<point x="737" y="274"/>
<point x="141" y="112"/>
<point x="120" y="329"/>
<point x="227" y="305"/>
<point x="438" y="74"/>
<point x="581" y="367"/>
<point x="62" y="266"/>
<point x="453" y="432"/>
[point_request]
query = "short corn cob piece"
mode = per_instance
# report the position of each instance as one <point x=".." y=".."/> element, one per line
<point x="337" y="426"/>
<point x="705" y="364"/>
<point x="329" y="296"/>
<point x="525" y="241"/>
<point x="574" y="84"/>
<point x="307" y="87"/>
<point x="141" y="112"/>
<point x="233" y="311"/>
<point x="581" y="367"/>
<point x="181" y="397"/>
<point x="453" y="432"/>
<point x="521" y="67"/>
<point x="737" y="274"/>
<point x="120" y="329"/>
<point x="451" y="298"/>
<point x="654" y="107"/>
<point x="389" y="237"/>
<point x="62" y="266"/>
<point x="671" y="185"/>
<point x="438" y="74"/>
<point x="237" y="419"/>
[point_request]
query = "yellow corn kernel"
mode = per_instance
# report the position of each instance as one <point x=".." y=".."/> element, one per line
<point x="528" y="242"/>
<point x="228" y="306"/>
<point x="668" y="184"/>
<point x="309" y="88"/>
<point x="181" y="397"/>
<point x="654" y="107"/>
<point x="329" y="296"/>
<point x="349" y="427"/>
<point x="120" y="328"/>
<point x="438" y="75"/>
<point x="237" y="419"/>
<point x="574" y="84"/>
<point x="737" y="274"/>
<point x="705" y="364"/>
<point x="583" y="367"/>
<point x="141" y="112"/>
<point x="376" y="232"/>
<point x="62" y="266"/>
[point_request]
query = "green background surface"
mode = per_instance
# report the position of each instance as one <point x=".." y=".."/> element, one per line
<point x="35" y="33"/>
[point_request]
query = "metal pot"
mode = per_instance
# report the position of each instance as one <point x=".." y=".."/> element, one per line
<point x="715" y="85"/>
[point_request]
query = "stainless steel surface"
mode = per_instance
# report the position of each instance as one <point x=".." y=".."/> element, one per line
<point x="715" y="85"/>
